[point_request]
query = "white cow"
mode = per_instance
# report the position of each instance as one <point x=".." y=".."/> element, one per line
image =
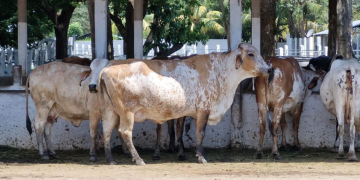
<point x="339" y="91"/>
<point x="202" y="87"/>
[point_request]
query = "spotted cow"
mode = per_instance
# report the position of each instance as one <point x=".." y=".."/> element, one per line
<point x="286" y="93"/>
<point x="202" y="87"/>
<point x="338" y="93"/>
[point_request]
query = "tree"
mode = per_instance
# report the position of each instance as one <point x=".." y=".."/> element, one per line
<point x="344" y="28"/>
<point x="75" y="28"/>
<point x="172" y="26"/>
<point x="267" y="21"/>
<point x="38" y="24"/>
<point x="332" y="28"/>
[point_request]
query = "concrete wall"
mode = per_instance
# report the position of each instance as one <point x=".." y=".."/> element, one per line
<point x="317" y="127"/>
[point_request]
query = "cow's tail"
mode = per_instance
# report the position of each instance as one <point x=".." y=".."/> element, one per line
<point x="28" y="122"/>
<point x="269" y="122"/>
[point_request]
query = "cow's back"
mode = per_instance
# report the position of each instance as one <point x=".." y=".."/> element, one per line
<point x="56" y="86"/>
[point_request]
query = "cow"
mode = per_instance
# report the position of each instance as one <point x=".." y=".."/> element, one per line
<point x="338" y="93"/>
<point x="287" y="92"/>
<point x="77" y="60"/>
<point x="323" y="63"/>
<point x="55" y="90"/>
<point x="202" y="86"/>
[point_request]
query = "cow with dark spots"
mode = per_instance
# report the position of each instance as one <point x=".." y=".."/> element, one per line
<point x="202" y="87"/>
<point x="285" y="93"/>
<point x="340" y="99"/>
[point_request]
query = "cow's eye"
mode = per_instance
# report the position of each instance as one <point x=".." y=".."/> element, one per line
<point x="251" y="54"/>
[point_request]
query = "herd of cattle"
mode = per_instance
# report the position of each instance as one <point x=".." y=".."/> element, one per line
<point x="202" y="86"/>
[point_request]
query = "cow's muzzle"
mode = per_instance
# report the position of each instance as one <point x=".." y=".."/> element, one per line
<point x="92" y="88"/>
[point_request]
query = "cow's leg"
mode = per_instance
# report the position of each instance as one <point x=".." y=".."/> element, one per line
<point x="109" y="121"/>
<point x="262" y="116"/>
<point x="125" y="129"/>
<point x="275" y="124"/>
<point x="201" y="121"/>
<point x="94" y="121"/>
<point x="51" y="151"/>
<point x="179" y="133"/>
<point x="123" y="145"/>
<point x="340" y="130"/>
<point x="352" y="155"/>
<point x="156" y="155"/>
<point x="296" y="124"/>
<point x="284" y="146"/>
<point x="39" y="125"/>
<point x="171" y="132"/>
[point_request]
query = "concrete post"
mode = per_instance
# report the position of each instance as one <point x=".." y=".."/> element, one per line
<point x="286" y="49"/>
<point x="101" y="28"/>
<point x="17" y="75"/>
<point x="305" y="47"/>
<point x="301" y="50"/>
<point x="357" y="45"/>
<point x="311" y="45"/>
<point x="296" y="47"/>
<point x="138" y="29"/>
<point x="281" y="51"/>
<point x="326" y="50"/>
<point x="22" y="34"/>
<point x="255" y="24"/>
<point x="289" y="45"/>
<point x="236" y="23"/>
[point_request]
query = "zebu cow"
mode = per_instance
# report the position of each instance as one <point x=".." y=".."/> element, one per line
<point x="338" y="94"/>
<point x="202" y="87"/>
<point x="56" y="93"/>
<point x="77" y="60"/>
<point x="286" y="93"/>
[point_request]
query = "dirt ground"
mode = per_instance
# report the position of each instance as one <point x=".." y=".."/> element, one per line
<point x="223" y="164"/>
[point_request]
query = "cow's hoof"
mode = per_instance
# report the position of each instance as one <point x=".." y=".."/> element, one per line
<point x="276" y="156"/>
<point x="283" y="148"/>
<point x="54" y="155"/>
<point x="140" y="162"/>
<point x="258" y="155"/>
<point x="112" y="163"/>
<point x="45" y="157"/>
<point x="156" y="157"/>
<point x="93" y="158"/>
<point x="202" y="160"/>
<point x="353" y="159"/>
<point x="341" y="156"/>
<point x="182" y="157"/>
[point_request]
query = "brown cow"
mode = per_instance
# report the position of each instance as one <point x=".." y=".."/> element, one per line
<point x="77" y="60"/>
<point x="290" y="87"/>
<point x="202" y="87"/>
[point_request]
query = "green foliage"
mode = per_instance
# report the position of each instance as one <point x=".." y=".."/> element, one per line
<point x="75" y="28"/>
<point x="38" y="25"/>
<point x="172" y="24"/>
<point x="81" y="16"/>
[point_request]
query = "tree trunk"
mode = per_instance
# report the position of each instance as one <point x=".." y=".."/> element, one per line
<point x="225" y="23"/>
<point x="110" y="47"/>
<point x="129" y="39"/>
<point x="344" y="29"/>
<point x="91" y="10"/>
<point x="268" y="31"/>
<point x="61" y="23"/>
<point x="332" y="28"/>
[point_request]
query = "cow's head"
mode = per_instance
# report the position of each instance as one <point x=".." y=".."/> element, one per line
<point x="313" y="80"/>
<point x="96" y="66"/>
<point x="250" y="60"/>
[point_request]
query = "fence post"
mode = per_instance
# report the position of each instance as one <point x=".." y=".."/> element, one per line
<point x="217" y="48"/>
<point x="281" y="51"/>
<point x="311" y="45"/>
<point x="17" y="75"/>
<point x="301" y="50"/>
<point x="206" y="49"/>
<point x="195" y="51"/>
<point x="319" y="51"/>
<point x="183" y="49"/>
<point x="357" y="45"/>
<point x="82" y="48"/>
<point x="288" y="44"/>
<point x="2" y="62"/>
<point x="286" y="50"/>
<point x="305" y="47"/>
<point x="76" y="49"/>
<point x="326" y="50"/>
<point x="296" y="47"/>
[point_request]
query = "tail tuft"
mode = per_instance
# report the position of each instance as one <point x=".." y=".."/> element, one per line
<point x="28" y="125"/>
<point x="268" y="119"/>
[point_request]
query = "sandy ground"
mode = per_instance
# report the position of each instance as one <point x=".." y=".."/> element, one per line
<point x="223" y="164"/>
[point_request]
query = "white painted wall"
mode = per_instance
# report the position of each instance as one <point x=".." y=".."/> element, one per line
<point x="316" y="128"/>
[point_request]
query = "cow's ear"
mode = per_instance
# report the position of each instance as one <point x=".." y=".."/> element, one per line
<point x="313" y="83"/>
<point x="239" y="61"/>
